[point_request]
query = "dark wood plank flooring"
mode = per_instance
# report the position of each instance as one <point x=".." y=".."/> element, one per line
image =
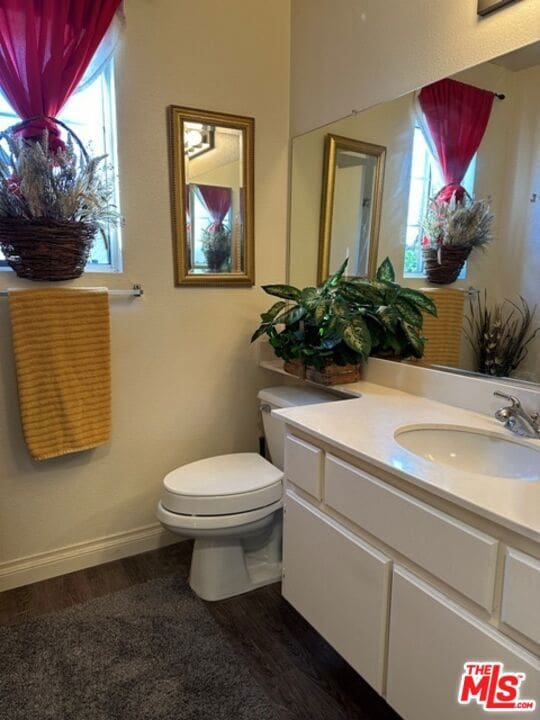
<point x="301" y="673"/>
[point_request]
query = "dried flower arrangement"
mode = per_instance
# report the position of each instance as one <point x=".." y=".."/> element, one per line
<point x="216" y="246"/>
<point x="500" y="336"/>
<point x="451" y="230"/>
<point x="463" y="223"/>
<point x="52" y="203"/>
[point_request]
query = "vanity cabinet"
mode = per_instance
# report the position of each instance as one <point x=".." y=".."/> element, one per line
<point x="430" y="639"/>
<point x="340" y="584"/>
<point x="405" y="591"/>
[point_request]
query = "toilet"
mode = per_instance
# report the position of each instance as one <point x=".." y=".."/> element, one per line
<point x="231" y="505"/>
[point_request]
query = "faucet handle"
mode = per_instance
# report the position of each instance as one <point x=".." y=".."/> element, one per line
<point x="513" y="399"/>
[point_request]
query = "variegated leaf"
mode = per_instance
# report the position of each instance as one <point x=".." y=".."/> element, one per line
<point x="356" y="335"/>
<point x="386" y="271"/>
<point x="422" y="301"/>
<point x="416" y="342"/>
<point x="288" y="292"/>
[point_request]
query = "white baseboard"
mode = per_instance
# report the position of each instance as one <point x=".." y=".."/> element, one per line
<point x="33" y="568"/>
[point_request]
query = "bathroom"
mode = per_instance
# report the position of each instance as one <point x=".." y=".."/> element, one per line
<point x="79" y="533"/>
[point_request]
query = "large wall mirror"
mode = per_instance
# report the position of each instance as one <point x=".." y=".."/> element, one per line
<point x="485" y="307"/>
<point x="211" y="157"/>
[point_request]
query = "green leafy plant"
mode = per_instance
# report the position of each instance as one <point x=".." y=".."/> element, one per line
<point x="346" y="319"/>
<point x="500" y="336"/>
<point x="65" y="186"/>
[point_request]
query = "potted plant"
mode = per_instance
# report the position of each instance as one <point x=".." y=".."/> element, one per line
<point x="451" y="231"/>
<point x="216" y="246"/>
<point x="334" y="328"/>
<point x="52" y="203"/>
<point x="500" y="336"/>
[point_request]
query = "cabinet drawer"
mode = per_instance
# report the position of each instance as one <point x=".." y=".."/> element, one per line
<point x="339" y="583"/>
<point x="430" y="640"/>
<point x="304" y="465"/>
<point x="521" y="594"/>
<point x="457" y="554"/>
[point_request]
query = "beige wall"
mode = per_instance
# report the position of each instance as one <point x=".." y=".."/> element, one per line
<point x="350" y="54"/>
<point x="184" y="375"/>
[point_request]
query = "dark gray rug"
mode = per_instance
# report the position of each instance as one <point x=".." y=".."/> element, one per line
<point x="147" y="653"/>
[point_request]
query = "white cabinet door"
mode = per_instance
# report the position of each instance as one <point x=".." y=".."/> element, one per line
<point x="339" y="584"/>
<point x="521" y="594"/>
<point x="430" y="640"/>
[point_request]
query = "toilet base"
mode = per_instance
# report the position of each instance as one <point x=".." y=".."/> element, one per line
<point x="226" y="566"/>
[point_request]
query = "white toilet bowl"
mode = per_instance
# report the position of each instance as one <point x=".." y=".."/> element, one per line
<point x="231" y="506"/>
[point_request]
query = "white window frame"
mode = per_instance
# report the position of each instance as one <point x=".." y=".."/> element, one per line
<point x="109" y="130"/>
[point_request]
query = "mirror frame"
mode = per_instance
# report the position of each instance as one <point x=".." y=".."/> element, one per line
<point x="177" y="115"/>
<point x="332" y="144"/>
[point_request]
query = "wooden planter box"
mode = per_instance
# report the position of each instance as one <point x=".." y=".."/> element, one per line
<point x="295" y="367"/>
<point x="334" y="374"/>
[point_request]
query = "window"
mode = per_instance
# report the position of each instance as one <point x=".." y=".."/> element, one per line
<point x="426" y="180"/>
<point x="90" y="113"/>
<point x="200" y="220"/>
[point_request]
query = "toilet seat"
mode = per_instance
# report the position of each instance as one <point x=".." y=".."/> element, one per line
<point x="214" y="522"/>
<point x="222" y="485"/>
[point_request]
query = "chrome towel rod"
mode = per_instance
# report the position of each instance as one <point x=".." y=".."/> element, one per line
<point x="136" y="291"/>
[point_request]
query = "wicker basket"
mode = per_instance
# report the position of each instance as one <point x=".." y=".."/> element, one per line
<point x="295" y="367"/>
<point x="444" y="265"/>
<point x="43" y="249"/>
<point x="334" y="374"/>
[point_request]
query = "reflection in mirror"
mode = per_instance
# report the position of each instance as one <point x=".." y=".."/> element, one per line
<point x="482" y="318"/>
<point x="212" y="182"/>
<point x="350" y="208"/>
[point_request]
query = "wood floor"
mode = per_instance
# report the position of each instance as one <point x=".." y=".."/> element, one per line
<point x="302" y="675"/>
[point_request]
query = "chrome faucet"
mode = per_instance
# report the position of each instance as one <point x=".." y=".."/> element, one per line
<point x="516" y="419"/>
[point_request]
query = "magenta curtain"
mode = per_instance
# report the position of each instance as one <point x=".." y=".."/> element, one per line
<point x="218" y="201"/>
<point x="457" y="116"/>
<point x="45" y="47"/>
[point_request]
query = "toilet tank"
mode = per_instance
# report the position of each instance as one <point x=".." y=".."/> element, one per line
<point x="285" y="396"/>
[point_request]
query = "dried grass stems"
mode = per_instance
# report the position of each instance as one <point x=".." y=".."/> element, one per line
<point x="464" y="223"/>
<point x="65" y="186"/>
<point x="500" y="336"/>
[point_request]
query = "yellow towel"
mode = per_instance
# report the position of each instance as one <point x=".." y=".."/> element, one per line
<point x="61" y="342"/>
<point x="444" y="332"/>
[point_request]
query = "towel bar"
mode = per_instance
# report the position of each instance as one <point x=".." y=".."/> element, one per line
<point x="135" y="291"/>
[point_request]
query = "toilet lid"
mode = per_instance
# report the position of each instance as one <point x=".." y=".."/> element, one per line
<point x="222" y="485"/>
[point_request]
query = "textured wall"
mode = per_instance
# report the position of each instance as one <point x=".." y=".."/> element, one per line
<point x="350" y="54"/>
<point x="184" y="376"/>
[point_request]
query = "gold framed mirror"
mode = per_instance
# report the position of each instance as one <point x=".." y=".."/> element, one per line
<point x="212" y="170"/>
<point x="353" y="174"/>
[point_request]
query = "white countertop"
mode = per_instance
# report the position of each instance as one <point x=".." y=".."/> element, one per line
<point x="364" y="427"/>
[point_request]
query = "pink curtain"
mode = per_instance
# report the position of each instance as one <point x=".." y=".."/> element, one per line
<point x="45" y="47"/>
<point x="218" y="201"/>
<point x="457" y="116"/>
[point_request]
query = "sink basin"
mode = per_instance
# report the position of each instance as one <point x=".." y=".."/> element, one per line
<point x="470" y="450"/>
